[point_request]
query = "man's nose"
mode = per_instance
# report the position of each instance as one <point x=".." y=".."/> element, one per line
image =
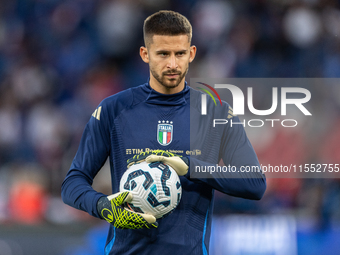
<point x="172" y="62"/>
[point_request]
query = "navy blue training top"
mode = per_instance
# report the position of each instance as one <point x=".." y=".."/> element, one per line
<point x="127" y="123"/>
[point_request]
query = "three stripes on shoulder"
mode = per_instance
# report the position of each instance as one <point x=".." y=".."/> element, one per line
<point x="230" y="113"/>
<point x="97" y="112"/>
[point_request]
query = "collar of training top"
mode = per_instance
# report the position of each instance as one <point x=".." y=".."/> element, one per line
<point x="155" y="97"/>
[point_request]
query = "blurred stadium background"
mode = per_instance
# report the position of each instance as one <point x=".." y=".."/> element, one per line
<point x="59" y="59"/>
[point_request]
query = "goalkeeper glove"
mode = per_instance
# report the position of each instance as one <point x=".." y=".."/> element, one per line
<point x="111" y="209"/>
<point x="178" y="163"/>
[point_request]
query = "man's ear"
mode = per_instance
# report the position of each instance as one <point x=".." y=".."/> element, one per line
<point x="192" y="53"/>
<point x="143" y="52"/>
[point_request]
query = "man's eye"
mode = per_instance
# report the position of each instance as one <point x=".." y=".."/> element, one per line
<point x="180" y="53"/>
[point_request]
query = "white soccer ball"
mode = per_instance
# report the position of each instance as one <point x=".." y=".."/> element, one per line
<point x="155" y="187"/>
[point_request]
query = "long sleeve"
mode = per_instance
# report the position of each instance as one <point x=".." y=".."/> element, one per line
<point x="234" y="179"/>
<point x="225" y="142"/>
<point x="92" y="153"/>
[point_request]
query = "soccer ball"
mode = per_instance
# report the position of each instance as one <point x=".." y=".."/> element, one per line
<point x="155" y="187"/>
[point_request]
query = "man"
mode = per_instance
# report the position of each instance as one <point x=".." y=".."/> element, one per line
<point x="127" y="122"/>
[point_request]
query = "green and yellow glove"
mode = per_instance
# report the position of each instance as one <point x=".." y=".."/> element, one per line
<point x="178" y="163"/>
<point x="112" y="210"/>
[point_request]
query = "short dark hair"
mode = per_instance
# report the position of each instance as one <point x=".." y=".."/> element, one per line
<point x="166" y="23"/>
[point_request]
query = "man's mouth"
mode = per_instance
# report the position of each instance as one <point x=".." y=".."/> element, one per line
<point x="172" y="75"/>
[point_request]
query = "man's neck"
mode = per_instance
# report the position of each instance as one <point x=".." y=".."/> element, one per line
<point x="155" y="85"/>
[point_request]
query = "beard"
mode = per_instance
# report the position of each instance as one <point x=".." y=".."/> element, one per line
<point x="169" y="83"/>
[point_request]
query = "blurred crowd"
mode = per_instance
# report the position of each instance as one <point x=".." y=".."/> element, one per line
<point x="59" y="59"/>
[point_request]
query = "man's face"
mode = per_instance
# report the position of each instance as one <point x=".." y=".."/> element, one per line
<point x="168" y="58"/>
